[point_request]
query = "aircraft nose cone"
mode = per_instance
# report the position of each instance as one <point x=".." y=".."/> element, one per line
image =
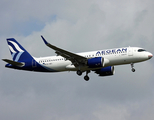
<point x="150" y="56"/>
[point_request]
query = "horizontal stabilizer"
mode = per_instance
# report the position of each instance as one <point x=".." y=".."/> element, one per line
<point x="13" y="62"/>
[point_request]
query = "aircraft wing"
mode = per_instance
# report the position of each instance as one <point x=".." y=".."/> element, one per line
<point x="74" y="58"/>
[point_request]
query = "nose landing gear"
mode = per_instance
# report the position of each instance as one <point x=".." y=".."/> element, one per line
<point x="132" y="66"/>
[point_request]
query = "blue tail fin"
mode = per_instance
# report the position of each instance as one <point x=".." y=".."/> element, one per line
<point x="19" y="54"/>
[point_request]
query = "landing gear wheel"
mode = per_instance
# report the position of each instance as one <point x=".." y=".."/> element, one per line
<point x="86" y="78"/>
<point x="132" y="66"/>
<point x="133" y="70"/>
<point x="79" y="72"/>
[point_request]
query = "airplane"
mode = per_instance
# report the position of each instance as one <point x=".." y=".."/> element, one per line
<point x="102" y="62"/>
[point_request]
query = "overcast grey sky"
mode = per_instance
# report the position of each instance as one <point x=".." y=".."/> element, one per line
<point x="77" y="26"/>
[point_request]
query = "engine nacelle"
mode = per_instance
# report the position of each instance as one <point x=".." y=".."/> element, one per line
<point x="106" y="71"/>
<point x="95" y="62"/>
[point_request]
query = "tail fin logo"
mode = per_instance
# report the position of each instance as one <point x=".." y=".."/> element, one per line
<point x="16" y="51"/>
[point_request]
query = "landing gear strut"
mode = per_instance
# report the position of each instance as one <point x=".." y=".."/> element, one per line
<point x="132" y="66"/>
<point x="87" y="77"/>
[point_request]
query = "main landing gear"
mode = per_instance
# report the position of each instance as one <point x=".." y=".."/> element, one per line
<point x="86" y="77"/>
<point x="79" y="72"/>
<point x="132" y="66"/>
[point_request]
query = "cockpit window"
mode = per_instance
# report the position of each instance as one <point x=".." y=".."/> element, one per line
<point x="141" y="50"/>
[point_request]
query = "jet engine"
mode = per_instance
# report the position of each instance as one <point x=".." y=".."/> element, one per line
<point x="106" y="71"/>
<point x="97" y="62"/>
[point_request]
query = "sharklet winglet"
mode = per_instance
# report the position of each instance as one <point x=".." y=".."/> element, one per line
<point x="44" y="40"/>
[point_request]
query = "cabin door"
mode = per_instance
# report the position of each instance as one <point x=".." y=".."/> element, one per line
<point x="34" y="63"/>
<point x="130" y="51"/>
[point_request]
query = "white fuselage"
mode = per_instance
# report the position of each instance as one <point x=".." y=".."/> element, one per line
<point x="102" y="62"/>
<point x="112" y="57"/>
